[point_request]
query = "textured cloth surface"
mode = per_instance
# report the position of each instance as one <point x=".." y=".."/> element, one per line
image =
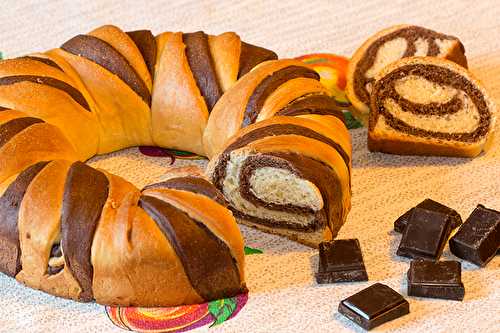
<point x="284" y="296"/>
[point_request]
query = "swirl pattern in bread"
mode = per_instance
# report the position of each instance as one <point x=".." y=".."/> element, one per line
<point x="429" y="106"/>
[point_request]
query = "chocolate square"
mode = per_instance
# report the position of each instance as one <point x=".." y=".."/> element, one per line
<point x="341" y="261"/>
<point x="478" y="240"/>
<point x="442" y="279"/>
<point x="429" y="204"/>
<point x="373" y="306"/>
<point x="425" y="235"/>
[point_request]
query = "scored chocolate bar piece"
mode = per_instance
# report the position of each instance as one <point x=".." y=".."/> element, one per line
<point x="425" y="235"/>
<point x="478" y="240"/>
<point x="442" y="279"/>
<point x="341" y="261"/>
<point x="429" y="204"/>
<point x="373" y="306"/>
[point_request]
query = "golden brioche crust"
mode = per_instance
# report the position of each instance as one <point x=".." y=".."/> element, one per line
<point x="176" y="99"/>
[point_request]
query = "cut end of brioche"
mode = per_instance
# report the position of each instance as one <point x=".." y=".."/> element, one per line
<point x="429" y="106"/>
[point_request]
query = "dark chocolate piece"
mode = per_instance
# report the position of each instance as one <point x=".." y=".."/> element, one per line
<point x="13" y="127"/>
<point x="341" y="261"/>
<point x="440" y="75"/>
<point x="105" y="55"/>
<point x="251" y="56"/>
<point x="192" y="184"/>
<point x="10" y="201"/>
<point x="85" y="193"/>
<point x="199" y="251"/>
<point x="202" y="66"/>
<point x="269" y="85"/>
<point x="442" y="279"/>
<point x="373" y="306"/>
<point x="478" y="240"/>
<point x="51" y="82"/>
<point x="429" y="204"/>
<point x="146" y="43"/>
<point x="3" y="108"/>
<point x="425" y="235"/>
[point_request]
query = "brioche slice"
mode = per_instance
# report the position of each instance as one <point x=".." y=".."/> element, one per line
<point x="390" y="45"/>
<point x="288" y="176"/>
<point x="429" y="106"/>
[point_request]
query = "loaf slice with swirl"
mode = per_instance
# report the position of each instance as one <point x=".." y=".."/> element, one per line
<point x="288" y="176"/>
<point x="429" y="106"/>
<point x="390" y="45"/>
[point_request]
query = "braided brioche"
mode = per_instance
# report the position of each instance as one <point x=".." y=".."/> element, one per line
<point x="81" y="233"/>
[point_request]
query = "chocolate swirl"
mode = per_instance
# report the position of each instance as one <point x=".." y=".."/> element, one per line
<point x="384" y="88"/>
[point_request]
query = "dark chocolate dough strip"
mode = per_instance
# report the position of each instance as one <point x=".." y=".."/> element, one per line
<point x="411" y="34"/>
<point x="269" y="85"/>
<point x="10" y="202"/>
<point x="51" y="82"/>
<point x="271" y="130"/>
<point x="192" y="184"/>
<point x="432" y="109"/>
<point x="3" y="108"/>
<point x="146" y="43"/>
<point x="85" y="193"/>
<point x="199" y="250"/>
<point x="13" y="127"/>
<point x="311" y="227"/>
<point x="251" y="56"/>
<point x="46" y="61"/>
<point x="105" y="55"/>
<point x="313" y="104"/>
<point x="439" y="75"/>
<point x="202" y="65"/>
